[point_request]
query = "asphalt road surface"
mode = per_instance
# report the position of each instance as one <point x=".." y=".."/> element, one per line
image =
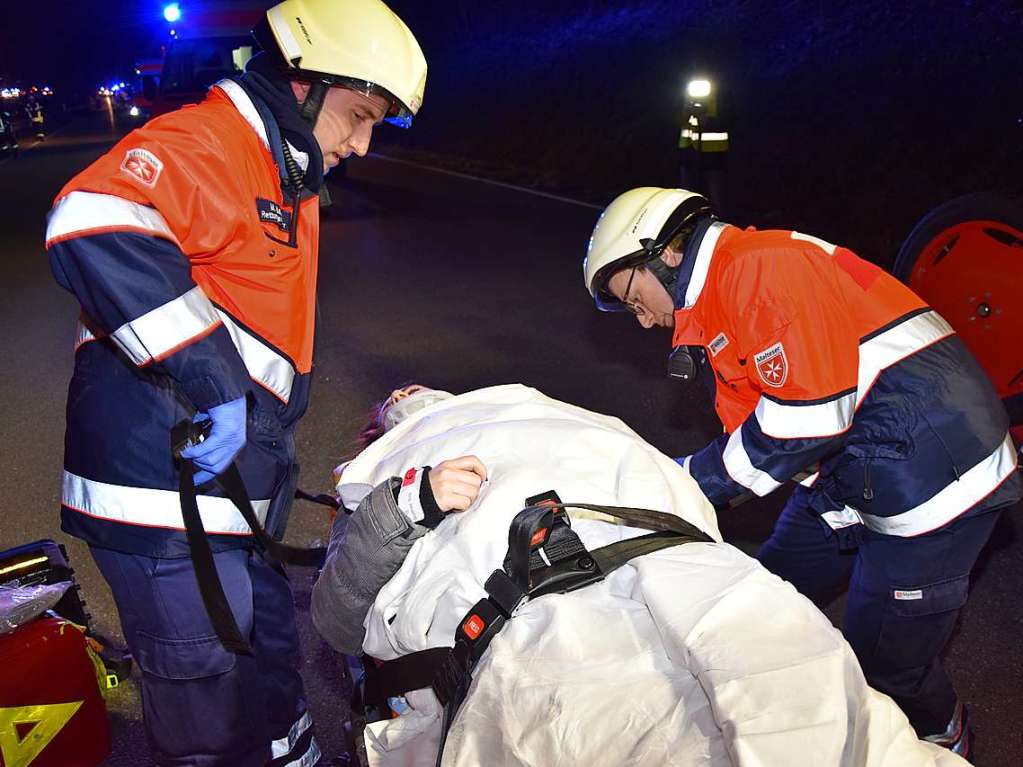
<point x="428" y="277"/>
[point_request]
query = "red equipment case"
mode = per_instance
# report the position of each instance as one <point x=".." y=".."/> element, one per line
<point x="52" y="712"/>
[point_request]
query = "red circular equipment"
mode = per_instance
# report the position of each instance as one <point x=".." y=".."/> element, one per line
<point x="965" y="259"/>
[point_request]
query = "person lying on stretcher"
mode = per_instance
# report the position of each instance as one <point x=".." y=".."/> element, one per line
<point x="691" y="655"/>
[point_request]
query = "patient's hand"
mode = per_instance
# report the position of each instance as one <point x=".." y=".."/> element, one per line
<point x="456" y="483"/>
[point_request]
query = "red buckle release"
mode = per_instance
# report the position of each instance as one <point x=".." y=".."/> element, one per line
<point x="473" y="627"/>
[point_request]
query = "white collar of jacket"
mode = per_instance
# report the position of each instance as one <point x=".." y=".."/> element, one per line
<point x="696" y="264"/>
<point x="243" y="103"/>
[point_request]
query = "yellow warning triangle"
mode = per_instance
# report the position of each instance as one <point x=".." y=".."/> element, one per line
<point x="48" y="720"/>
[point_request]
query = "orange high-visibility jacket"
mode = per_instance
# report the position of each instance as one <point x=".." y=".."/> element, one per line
<point x="824" y="362"/>
<point x="196" y="275"/>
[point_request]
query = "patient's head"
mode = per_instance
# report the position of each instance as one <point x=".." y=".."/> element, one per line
<point x="384" y="416"/>
<point x="402" y="403"/>
<point x="406" y="401"/>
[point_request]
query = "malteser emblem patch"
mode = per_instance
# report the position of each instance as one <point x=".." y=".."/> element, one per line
<point x="773" y="365"/>
<point x="143" y="165"/>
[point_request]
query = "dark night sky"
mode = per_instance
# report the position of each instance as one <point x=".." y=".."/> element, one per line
<point x="79" y="44"/>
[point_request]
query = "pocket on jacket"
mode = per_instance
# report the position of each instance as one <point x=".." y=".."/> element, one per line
<point x="918" y="621"/>
<point x="182" y="659"/>
<point x="267" y="459"/>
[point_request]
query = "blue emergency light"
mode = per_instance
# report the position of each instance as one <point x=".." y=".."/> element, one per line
<point x="172" y="12"/>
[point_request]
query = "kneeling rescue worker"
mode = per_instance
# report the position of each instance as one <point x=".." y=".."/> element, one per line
<point x="192" y="248"/>
<point x="820" y="362"/>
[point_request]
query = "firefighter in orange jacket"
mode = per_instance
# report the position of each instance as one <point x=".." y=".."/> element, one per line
<point x="192" y="249"/>
<point x="824" y="366"/>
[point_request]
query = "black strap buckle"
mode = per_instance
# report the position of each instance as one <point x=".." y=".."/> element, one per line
<point x="504" y="592"/>
<point x="544" y="556"/>
<point x="533" y="531"/>
<point x="474" y="635"/>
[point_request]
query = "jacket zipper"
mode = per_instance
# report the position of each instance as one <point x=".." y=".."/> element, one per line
<point x="868" y="491"/>
<point x="296" y="199"/>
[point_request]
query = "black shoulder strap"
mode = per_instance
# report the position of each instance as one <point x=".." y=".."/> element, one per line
<point x="648" y="519"/>
<point x="570" y="567"/>
<point x="210" y="587"/>
<point x="670" y="530"/>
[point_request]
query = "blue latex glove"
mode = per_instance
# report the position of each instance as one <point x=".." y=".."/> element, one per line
<point x="227" y="437"/>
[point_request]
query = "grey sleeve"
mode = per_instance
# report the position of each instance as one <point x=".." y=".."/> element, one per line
<point x="365" y="550"/>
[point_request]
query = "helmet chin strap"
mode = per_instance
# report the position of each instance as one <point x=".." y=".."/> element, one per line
<point x="310" y="112"/>
<point x="313" y="102"/>
<point x="683" y="362"/>
<point x="666" y="275"/>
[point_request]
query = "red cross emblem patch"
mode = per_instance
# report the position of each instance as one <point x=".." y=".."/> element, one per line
<point x="773" y="365"/>
<point x="143" y="165"/>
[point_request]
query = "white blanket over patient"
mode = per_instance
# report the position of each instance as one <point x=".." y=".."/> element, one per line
<point x="694" y="655"/>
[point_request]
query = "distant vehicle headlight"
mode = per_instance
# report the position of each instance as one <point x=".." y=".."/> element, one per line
<point x="134" y="111"/>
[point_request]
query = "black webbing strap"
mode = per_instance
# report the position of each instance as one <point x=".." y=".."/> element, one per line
<point x="609" y="558"/>
<point x="210" y="588"/>
<point x="645" y="518"/>
<point x="569" y="567"/>
<point x="234" y="488"/>
<point x="409" y="672"/>
<point x="323" y="499"/>
<point x="669" y="530"/>
<point x="544" y="529"/>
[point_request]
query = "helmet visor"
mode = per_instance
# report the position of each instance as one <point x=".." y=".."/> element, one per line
<point x="397" y="113"/>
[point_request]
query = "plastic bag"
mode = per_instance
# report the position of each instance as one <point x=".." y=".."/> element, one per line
<point x="22" y="604"/>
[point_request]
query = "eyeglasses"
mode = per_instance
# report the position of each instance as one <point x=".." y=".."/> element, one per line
<point x="630" y="305"/>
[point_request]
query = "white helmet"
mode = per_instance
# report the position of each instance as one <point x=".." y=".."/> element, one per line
<point x="357" y="44"/>
<point x="633" y="230"/>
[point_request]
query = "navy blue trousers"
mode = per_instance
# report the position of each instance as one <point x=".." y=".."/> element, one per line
<point x="202" y="705"/>
<point x="905" y="595"/>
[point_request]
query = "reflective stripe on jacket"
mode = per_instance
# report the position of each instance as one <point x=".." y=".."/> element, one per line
<point x="703" y="141"/>
<point x="823" y="359"/>
<point x="196" y="276"/>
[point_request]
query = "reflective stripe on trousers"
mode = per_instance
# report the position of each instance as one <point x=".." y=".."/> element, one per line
<point x="294" y="751"/>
